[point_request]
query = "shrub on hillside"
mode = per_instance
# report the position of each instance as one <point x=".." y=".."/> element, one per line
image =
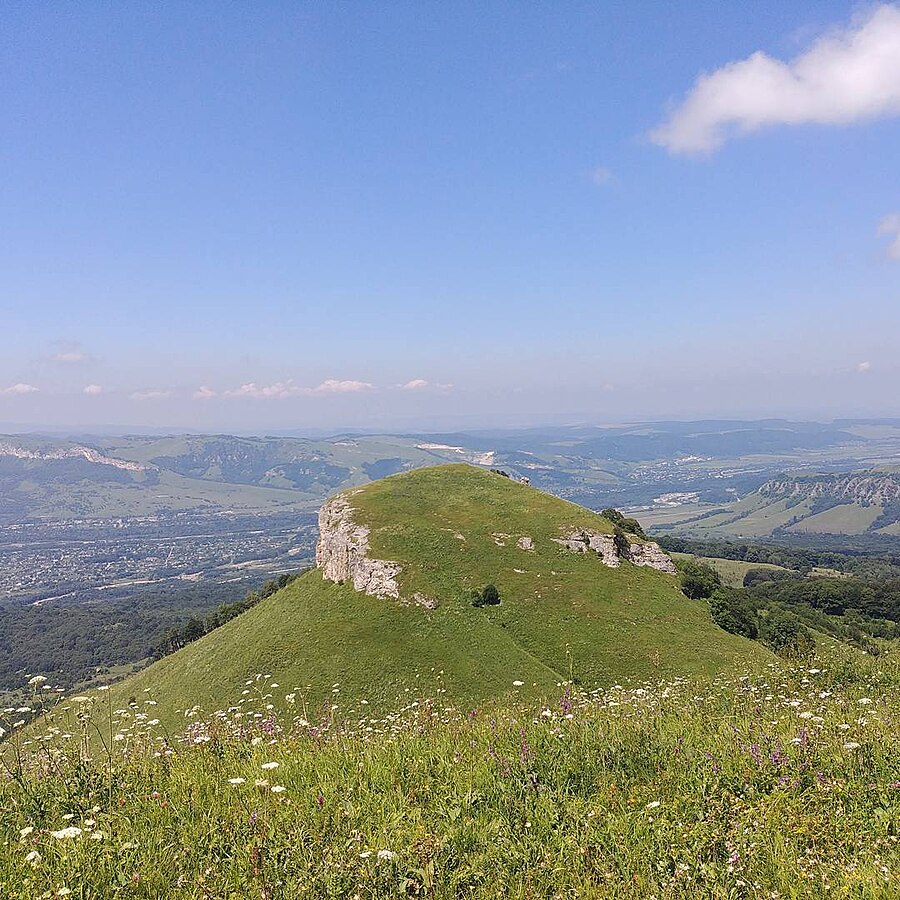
<point x="487" y="596"/>
<point x="785" y="634"/>
<point x="698" y="580"/>
<point x="632" y="526"/>
<point x="620" y="539"/>
<point x="731" y="613"/>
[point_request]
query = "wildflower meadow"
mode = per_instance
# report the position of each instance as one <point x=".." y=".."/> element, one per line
<point x="779" y="783"/>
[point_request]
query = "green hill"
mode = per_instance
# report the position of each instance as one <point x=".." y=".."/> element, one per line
<point x="451" y="530"/>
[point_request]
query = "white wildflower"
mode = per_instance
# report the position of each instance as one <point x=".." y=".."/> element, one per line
<point x="73" y="831"/>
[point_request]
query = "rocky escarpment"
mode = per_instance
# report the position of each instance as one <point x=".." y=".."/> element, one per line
<point x="866" y="488"/>
<point x="639" y="553"/>
<point x="342" y="553"/>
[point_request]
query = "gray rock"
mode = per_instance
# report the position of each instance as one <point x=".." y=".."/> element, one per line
<point x="605" y="547"/>
<point x="652" y="556"/>
<point x="646" y="554"/>
<point x="342" y="553"/>
<point x="525" y="543"/>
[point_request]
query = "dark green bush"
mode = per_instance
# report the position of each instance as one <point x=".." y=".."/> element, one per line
<point x="698" y="580"/>
<point x="731" y="613"/>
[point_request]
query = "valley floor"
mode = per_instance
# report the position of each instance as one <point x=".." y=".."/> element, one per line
<point x="781" y="784"/>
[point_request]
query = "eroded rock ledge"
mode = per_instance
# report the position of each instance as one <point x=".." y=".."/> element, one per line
<point x="342" y="553"/>
<point x="646" y="554"/>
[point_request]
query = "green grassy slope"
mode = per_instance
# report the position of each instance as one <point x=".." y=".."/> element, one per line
<point x="561" y="613"/>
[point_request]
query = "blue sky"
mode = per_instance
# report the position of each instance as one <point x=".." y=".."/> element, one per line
<point x="425" y="215"/>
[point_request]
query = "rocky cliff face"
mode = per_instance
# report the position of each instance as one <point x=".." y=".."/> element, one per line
<point x="867" y="488"/>
<point x="342" y="553"/>
<point x="640" y="554"/>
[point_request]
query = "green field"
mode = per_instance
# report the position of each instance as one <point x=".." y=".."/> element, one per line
<point x="848" y="518"/>
<point x="562" y="614"/>
<point x="731" y="570"/>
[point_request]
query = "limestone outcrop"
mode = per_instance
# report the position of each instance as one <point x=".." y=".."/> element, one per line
<point x="651" y="554"/>
<point x="342" y="553"/>
<point x="640" y="553"/>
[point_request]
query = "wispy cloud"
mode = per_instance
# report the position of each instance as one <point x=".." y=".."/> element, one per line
<point x="890" y="225"/>
<point x="19" y="390"/>
<point x="282" y="389"/>
<point x="420" y="384"/>
<point x="94" y="390"/>
<point x="601" y="176"/>
<point x="863" y="366"/>
<point x="70" y="353"/>
<point x="150" y="395"/>
<point x="278" y="390"/>
<point x="851" y="75"/>
<point x="205" y="393"/>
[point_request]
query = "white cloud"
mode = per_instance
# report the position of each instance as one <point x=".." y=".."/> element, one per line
<point x="332" y="386"/>
<point x="863" y="366"/>
<point x="93" y="390"/>
<point x="420" y="384"/>
<point x="204" y="393"/>
<point x="279" y="390"/>
<point x="601" y="176"/>
<point x="70" y="356"/>
<point x="150" y="395"/>
<point x="851" y="75"/>
<point x="282" y="389"/>
<point x="19" y="390"/>
<point x="890" y="225"/>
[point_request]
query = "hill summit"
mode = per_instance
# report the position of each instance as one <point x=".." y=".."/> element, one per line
<point x="393" y="608"/>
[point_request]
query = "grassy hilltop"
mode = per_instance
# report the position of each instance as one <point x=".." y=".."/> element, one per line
<point x="562" y="614"/>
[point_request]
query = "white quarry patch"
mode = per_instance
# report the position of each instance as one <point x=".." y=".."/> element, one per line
<point x="75" y="452"/>
<point x="478" y="457"/>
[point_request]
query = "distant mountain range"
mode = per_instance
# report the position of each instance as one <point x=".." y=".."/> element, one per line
<point x="711" y="462"/>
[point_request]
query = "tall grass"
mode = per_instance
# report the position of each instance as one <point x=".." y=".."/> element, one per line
<point x="781" y="784"/>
